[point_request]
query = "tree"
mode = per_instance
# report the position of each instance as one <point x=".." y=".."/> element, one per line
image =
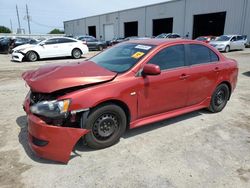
<point x="4" y="29"/>
<point x="56" y="31"/>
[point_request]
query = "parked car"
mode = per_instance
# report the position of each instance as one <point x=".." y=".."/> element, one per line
<point x="53" y="47"/>
<point x="229" y="42"/>
<point x="21" y="41"/>
<point x="131" y="84"/>
<point x="93" y="43"/>
<point x="168" y="35"/>
<point x="115" y="41"/>
<point x="206" y="39"/>
<point x="5" y="44"/>
<point x="135" y="38"/>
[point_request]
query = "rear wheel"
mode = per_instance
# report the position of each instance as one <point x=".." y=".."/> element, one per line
<point x="32" y="56"/>
<point x="219" y="98"/>
<point x="76" y="53"/>
<point x="107" y="124"/>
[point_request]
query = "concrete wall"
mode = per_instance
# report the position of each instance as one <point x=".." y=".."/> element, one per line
<point x="167" y="10"/>
<point x="182" y="11"/>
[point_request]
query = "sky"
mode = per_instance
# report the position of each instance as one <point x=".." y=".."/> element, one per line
<point x="49" y="14"/>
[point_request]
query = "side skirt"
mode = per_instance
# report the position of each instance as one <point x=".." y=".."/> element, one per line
<point x="169" y="114"/>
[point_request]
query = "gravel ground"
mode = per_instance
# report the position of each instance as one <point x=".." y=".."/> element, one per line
<point x="198" y="149"/>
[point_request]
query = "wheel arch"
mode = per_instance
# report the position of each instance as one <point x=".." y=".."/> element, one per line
<point x="76" y="48"/>
<point x="38" y="56"/>
<point x="119" y="103"/>
<point x="229" y="86"/>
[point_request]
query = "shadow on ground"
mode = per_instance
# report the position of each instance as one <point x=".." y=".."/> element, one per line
<point x="80" y="146"/>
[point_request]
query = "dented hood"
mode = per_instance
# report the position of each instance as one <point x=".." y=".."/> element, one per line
<point x="48" y="79"/>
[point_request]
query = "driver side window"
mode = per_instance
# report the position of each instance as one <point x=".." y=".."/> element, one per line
<point x="170" y="57"/>
<point x="233" y="39"/>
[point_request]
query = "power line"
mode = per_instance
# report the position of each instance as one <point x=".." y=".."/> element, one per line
<point x="43" y="25"/>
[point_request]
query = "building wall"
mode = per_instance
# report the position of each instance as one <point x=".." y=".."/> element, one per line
<point x="232" y="7"/>
<point x="172" y="9"/>
<point x="130" y="16"/>
<point x="182" y="11"/>
<point x="112" y="18"/>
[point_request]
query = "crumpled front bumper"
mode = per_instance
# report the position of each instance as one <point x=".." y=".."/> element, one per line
<point x="51" y="142"/>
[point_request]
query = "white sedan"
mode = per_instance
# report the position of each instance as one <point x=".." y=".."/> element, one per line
<point x="53" y="47"/>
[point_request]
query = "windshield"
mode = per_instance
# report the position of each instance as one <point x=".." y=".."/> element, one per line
<point x="122" y="57"/>
<point x="223" y="38"/>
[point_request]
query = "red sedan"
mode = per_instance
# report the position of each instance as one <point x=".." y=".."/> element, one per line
<point x="206" y="39"/>
<point x="129" y="85"/>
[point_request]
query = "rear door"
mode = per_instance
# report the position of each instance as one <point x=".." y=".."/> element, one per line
<point x="167" y="91"/>
<point x="65" y="46"/>
<point x="204" y="72"/>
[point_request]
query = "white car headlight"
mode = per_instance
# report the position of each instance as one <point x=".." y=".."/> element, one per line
<point x="51" y="109"/>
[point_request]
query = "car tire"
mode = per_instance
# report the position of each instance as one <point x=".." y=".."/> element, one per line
<point x="227" y="49"/>
<point x="219" y="98"/>
<point x="106" y="123"/>
<point x="32" y="56"/>
<point x="76" y="53"/>
<point x="100" y="48"/>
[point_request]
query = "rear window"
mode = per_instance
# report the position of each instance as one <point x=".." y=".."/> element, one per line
<point x="200" y="54"/>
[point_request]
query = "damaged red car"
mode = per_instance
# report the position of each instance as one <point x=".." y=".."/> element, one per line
<point x="129" y="85"/>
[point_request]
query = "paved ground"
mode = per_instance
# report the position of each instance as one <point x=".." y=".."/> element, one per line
<point x="194" y="150"/>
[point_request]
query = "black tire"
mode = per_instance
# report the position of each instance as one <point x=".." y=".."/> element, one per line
<point x="76" y="53"/>
<point x="227" y="49"/>
<point x="32" y="56"/>
<point x="100" y="48"/>
<point x="219" y="98"/>
<point x="107" y="124"/>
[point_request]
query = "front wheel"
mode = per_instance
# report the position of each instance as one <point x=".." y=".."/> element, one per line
<point x="219" y="98"/>
<point x="100" y="48"/>
<point x="107" y="124"/>
<point x="32" y="56"/>
<point x="227" y="49"/>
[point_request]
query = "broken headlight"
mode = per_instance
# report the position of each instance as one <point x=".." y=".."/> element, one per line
<point x="51" y="109"/>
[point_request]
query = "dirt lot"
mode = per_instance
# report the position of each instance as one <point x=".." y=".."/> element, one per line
<point x="199" y="149"/>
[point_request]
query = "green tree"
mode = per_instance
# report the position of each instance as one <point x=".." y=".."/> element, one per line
<point x="56" y="31"/>
<point x="4" y="29"/>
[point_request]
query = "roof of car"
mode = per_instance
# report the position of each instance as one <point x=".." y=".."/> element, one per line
<point x="158" y="42"/>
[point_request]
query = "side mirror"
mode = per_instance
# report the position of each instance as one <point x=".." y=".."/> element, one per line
<point x="42" y="44"/>
<point x="151" y="69"/>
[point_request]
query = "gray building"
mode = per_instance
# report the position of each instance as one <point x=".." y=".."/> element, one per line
<point x="192" y="17"/>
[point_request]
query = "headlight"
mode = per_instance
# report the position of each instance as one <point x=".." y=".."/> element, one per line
<point x="51" y="109"/>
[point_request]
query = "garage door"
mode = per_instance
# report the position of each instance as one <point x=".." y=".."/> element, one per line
<point x="108" y="32"/>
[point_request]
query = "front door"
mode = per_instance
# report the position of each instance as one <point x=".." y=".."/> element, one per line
<point x="167" y="91"/>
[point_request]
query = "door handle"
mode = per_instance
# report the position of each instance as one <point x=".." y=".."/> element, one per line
<point x="184" y="76"/>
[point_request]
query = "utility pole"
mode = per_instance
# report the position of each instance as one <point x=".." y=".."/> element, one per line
<point x="11" y="26"/>
<point x="19" y="25"/>
<point x="28" y="18"/>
